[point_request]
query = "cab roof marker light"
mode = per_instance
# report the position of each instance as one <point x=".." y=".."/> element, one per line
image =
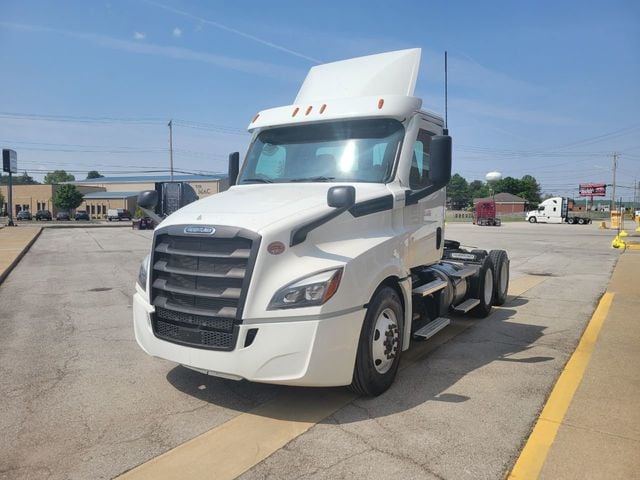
<point x="308" y="110"/>
<point x="255" y="118"/>
<point x="380" y="103"/>
<point x="295" y="111"/>
<point x="323" y="107"/>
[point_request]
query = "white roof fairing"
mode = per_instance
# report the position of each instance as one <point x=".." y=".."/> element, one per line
<point x="391" y="73"/>
<point x="375" y="86"/>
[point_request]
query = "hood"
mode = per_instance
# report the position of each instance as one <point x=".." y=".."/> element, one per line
<point x="257" y="206"/>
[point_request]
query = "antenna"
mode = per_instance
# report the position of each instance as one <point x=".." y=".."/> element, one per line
<point x="446" y="120"/>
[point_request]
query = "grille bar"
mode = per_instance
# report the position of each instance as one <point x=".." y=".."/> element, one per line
<point x="227" y="293"/>
<point x="180" y="306"/>
<point x="163" y="266"/>
<point x="237" y="253"/>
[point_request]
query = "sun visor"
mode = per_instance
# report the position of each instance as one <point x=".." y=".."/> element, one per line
<point x="391" y="73"/>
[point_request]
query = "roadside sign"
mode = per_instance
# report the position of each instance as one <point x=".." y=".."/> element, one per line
<point x="593" y="189"/>
<point x="9" y="161"/>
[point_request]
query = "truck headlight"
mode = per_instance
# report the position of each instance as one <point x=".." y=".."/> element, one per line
<point x="314" y="289"/>
<point x="143" y="272"/>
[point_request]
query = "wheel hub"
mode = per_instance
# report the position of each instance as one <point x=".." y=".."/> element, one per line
<point x="385" y="341"/>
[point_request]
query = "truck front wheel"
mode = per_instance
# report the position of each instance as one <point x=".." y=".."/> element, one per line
<point x="380" y="344"/>
<point x="532" y="219"/>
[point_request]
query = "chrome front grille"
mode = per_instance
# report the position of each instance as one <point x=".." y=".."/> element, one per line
<point x="199" y="283"/>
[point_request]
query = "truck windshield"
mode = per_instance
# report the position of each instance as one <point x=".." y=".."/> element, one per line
<point x="347" y="151"/>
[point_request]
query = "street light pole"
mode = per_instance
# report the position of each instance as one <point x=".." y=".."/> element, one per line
<point x="170" y="150"/>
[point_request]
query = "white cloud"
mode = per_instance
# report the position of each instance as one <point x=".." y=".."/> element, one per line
<point x="177" y="32"/>
<point x="139" y="36"/>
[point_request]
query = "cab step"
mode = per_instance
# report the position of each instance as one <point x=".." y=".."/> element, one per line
<point x="429" y="288"/>
<point x="431" y="328"/>
<point x="467" y="305"/>
<point x="468" y="271"/>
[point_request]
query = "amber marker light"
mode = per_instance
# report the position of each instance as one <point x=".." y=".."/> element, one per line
<point x="332" y="288"/>
<point x="295" y="111"/>
<point x="323" y="108"/>
<point x="255" y="118"/>
<point x="380" y="103"/>
<point x="308" y="110"/>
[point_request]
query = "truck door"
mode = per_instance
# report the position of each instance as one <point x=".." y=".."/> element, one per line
<point x="423" y="219"/>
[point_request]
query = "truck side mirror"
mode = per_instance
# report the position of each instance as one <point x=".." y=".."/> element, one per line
<point x="440" y="171"/>
<point x="148" y="199"/>
<point x="234" y="167"/>
<point x="341" y="197"/>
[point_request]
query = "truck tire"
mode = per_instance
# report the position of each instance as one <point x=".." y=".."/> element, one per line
<point x="581" y="221"/>
<point x="482" y="288"/>
<point x="532" y="220"/>
<point x="380" y="344"/>
<point x="500" y="261"/>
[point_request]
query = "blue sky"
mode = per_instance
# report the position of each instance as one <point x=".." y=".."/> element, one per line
<point x="545" y="88"/>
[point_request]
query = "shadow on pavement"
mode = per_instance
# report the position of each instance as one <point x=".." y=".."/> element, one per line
<point x="430" y="372"/>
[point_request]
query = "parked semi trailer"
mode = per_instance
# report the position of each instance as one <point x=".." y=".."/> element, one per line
<point x="326" y="257"/>
<point x="484" y="214"/>
<point x="555" y="210"/>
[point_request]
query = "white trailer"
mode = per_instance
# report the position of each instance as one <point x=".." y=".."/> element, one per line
<point x="326" y="258"/>
<point x="555" y="210"/>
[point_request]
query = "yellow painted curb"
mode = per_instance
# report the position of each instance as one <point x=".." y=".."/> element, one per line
<point x="534" y="454"/>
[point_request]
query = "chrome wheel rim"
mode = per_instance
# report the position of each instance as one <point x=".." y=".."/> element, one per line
<point x="385" y="341"/>
<point x="488" y="286"/>
<point x="504" y="278"/>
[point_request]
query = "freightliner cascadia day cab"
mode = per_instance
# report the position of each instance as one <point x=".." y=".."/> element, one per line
<point x="326" y="257"/>
<point x="555" y="210"/>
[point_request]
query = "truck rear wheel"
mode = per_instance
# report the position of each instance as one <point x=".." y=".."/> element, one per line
<point x="380" y="344"/>
<point x="500" y="261"/>
<point x="482" y="288"/>
<point x="532" y="219"/>
<point x="581" y="221"/>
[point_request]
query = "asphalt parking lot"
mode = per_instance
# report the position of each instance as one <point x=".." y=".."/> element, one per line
<point x="81" y="400"/>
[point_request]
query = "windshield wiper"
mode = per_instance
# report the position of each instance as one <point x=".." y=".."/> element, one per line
<point x="312" y="179"/>
<point x="256" y="180"/>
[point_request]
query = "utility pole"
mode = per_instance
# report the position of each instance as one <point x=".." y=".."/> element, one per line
<point x="613" y="193"/>
<point x="171" y="151"/>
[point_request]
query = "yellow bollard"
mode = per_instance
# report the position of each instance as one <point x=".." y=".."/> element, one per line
<point x="623" y="234"/>
<point x="618" y="243"/>
<point x="603" y="226"/>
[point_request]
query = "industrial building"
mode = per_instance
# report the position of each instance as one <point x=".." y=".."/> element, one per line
<point x="101" y="194"/>
<point x="36" y="197"/>
<point x="505" y="203"/>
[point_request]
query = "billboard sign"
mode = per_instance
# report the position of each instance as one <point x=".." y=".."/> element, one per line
<point x="9" y="161"/>
<point x="593" y="189"/>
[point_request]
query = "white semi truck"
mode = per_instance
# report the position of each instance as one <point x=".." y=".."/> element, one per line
<point x="326" y="257"/>
<point x="555" y="210"/>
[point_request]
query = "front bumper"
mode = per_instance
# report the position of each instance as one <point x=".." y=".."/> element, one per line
<point x="308" y="352"/>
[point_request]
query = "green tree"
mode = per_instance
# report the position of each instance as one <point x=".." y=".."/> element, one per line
<point x="94" y="174"/>
<point x="478" y="189"/>
<point x="508" y="185"/>
<point x="458" y="192"/>
<point x="530" y="189"/>
<point x="58" y="176"/>
<point x="24" y="179"/>
<point x="67" y="197"/>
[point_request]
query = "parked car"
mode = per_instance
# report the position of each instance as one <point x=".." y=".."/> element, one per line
<point x="63" y="216"/>
<point x="118" y="214"/>
<point x="82" y="215"/>
<point x="24" y="215"/>
<point x="43" y="215"/>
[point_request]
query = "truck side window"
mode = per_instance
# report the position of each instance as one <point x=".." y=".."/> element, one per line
<point x="420" y="161"/>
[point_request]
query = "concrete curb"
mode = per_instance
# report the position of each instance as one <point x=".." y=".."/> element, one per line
<point x="16" y="260"/>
